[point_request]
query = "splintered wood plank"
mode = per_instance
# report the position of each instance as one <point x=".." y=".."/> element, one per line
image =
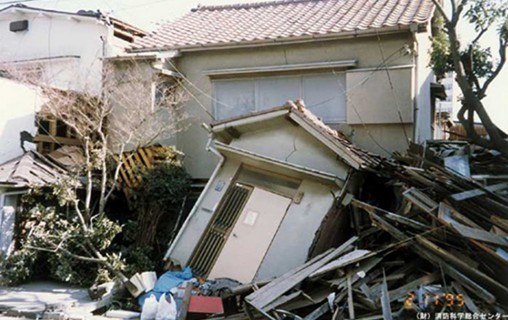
<point x="420" y="199"/>
<point x="320" y="311"/>
<point x="146" y="159"/>
<point x="140" y="167"/>
<point x="342" y="261"/>
<point x="478" y="192"/>
<point x="413" y="285"/>
<point x="500" y="222"/>
<point x="475" y="274"/>
<point x="283" y="299"/>
<point x="261" y="298"/>
<point x="467" y="300"/>
<point x="350" y="304"/>
<point x="479" y="234"/>
<point x="385" y="300"/>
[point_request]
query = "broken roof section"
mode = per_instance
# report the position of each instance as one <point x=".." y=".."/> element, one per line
<point x="355" y="157"/>
<point x="121" y="28"/>
<point x="278" y="178"/>
<point x="31" y="168"/>
<point x="285" y="21"/>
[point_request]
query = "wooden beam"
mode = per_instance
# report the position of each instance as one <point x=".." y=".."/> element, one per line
<point x="185" y="301"/>
<point x="317" y="313"/>
<point x="281" y="285"/>
<point x="385" y="300"/>
<point x="478" y="192"/>
<point x="413" y="285"/>
<point x="475" y="274"/>
<point x="350" y="304"/>
<point x="342" y="261"/>
<point x="467" y="300"/>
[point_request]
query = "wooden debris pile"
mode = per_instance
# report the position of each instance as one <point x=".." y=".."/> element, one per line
<point x="443" y="248"/>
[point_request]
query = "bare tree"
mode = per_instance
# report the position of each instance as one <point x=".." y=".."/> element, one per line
<point x="137" y="108"/>
<point x="474" y="67"/>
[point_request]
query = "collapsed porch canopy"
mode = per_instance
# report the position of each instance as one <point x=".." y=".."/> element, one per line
<point x="296" y="112"/>
<point x="32" y="168"/>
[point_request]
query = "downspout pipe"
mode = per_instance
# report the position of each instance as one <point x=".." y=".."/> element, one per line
<point x="210" y="148"/>
<point x="416" y="104"/>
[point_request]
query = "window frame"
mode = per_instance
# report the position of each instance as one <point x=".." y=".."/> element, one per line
<point x="301" y="80"/>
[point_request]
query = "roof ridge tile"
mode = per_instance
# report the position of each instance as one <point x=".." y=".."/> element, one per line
<point x="249" y="5"/>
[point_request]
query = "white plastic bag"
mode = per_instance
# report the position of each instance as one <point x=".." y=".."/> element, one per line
<point x="166" y="310"/>
<point x="149" y="311"/>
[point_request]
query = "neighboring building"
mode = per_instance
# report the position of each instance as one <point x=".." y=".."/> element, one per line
<point x="362" y="67"/>
<point x="280" y="178"/>
<point x="446" y="109"/>
<point x="61" y="49"/>
<point x="50" y="48"/>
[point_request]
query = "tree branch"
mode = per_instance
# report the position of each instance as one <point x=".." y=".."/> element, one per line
<point x="441" y="10"/>
<point x="502" y="55"/>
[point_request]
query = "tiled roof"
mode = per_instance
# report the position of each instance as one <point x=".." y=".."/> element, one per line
<point x="367" y="159"/>
<point x="31" y="168"/>
<point x="283" y="20"/>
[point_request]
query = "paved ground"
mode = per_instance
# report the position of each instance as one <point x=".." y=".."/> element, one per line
<point x="36" y="299"/>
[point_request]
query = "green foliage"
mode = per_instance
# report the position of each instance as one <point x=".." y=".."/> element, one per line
<point x="55" y="224"/>
<point x="163" y="187"/>
<point x="157" y="202"/>
<point x="18" y="267"/>
<point x="440" y="58"/>
<point x="482" y="14"/>
<point x="54" y="239"/>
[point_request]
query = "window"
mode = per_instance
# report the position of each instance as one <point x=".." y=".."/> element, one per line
<point x="8" y="206"/>
<point x="324" y="95"/>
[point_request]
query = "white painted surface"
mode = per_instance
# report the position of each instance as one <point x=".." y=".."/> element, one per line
<point x="289" y="143"/>
<point x="18" y="105"/>
<point x="68" y="48"/>
<point x="251" y="236"/>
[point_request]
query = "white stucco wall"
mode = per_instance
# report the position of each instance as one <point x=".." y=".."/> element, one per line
<point x="292" y="144"/>
<point x="17" y="113"/>
<point x="284" y="141"/>
<point x="194" y="65"/>
<point x="75" y="44"/>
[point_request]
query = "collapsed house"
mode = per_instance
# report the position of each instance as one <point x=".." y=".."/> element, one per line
<point x="312" y="225"/>
<point x="279" y="177"/>
<point x="16" y="177"/>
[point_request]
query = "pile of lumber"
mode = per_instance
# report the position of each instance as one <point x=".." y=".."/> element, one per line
<point x="442" y="249"/>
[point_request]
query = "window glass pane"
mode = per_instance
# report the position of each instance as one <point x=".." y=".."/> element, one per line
<point x="275" y="91"/>
<point x="7" y="219"/>
<point x="233" y="98"/>
<point x="325" y="96"/>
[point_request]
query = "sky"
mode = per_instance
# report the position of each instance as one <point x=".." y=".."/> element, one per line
<point x="148" y="14"/>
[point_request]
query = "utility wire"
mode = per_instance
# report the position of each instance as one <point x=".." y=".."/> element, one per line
<point x="392" y="89"/>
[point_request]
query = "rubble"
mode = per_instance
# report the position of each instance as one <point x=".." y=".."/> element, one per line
<point x="442" y="249"/>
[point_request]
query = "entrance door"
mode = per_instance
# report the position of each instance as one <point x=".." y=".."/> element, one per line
<point x="251" y="236"/>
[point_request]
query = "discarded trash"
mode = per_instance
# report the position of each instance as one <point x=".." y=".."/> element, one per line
<point x="166" y="308"/>
<point x="166" y="282"/>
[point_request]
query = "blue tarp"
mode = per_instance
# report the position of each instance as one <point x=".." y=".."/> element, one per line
<point x="166" y="282"/>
